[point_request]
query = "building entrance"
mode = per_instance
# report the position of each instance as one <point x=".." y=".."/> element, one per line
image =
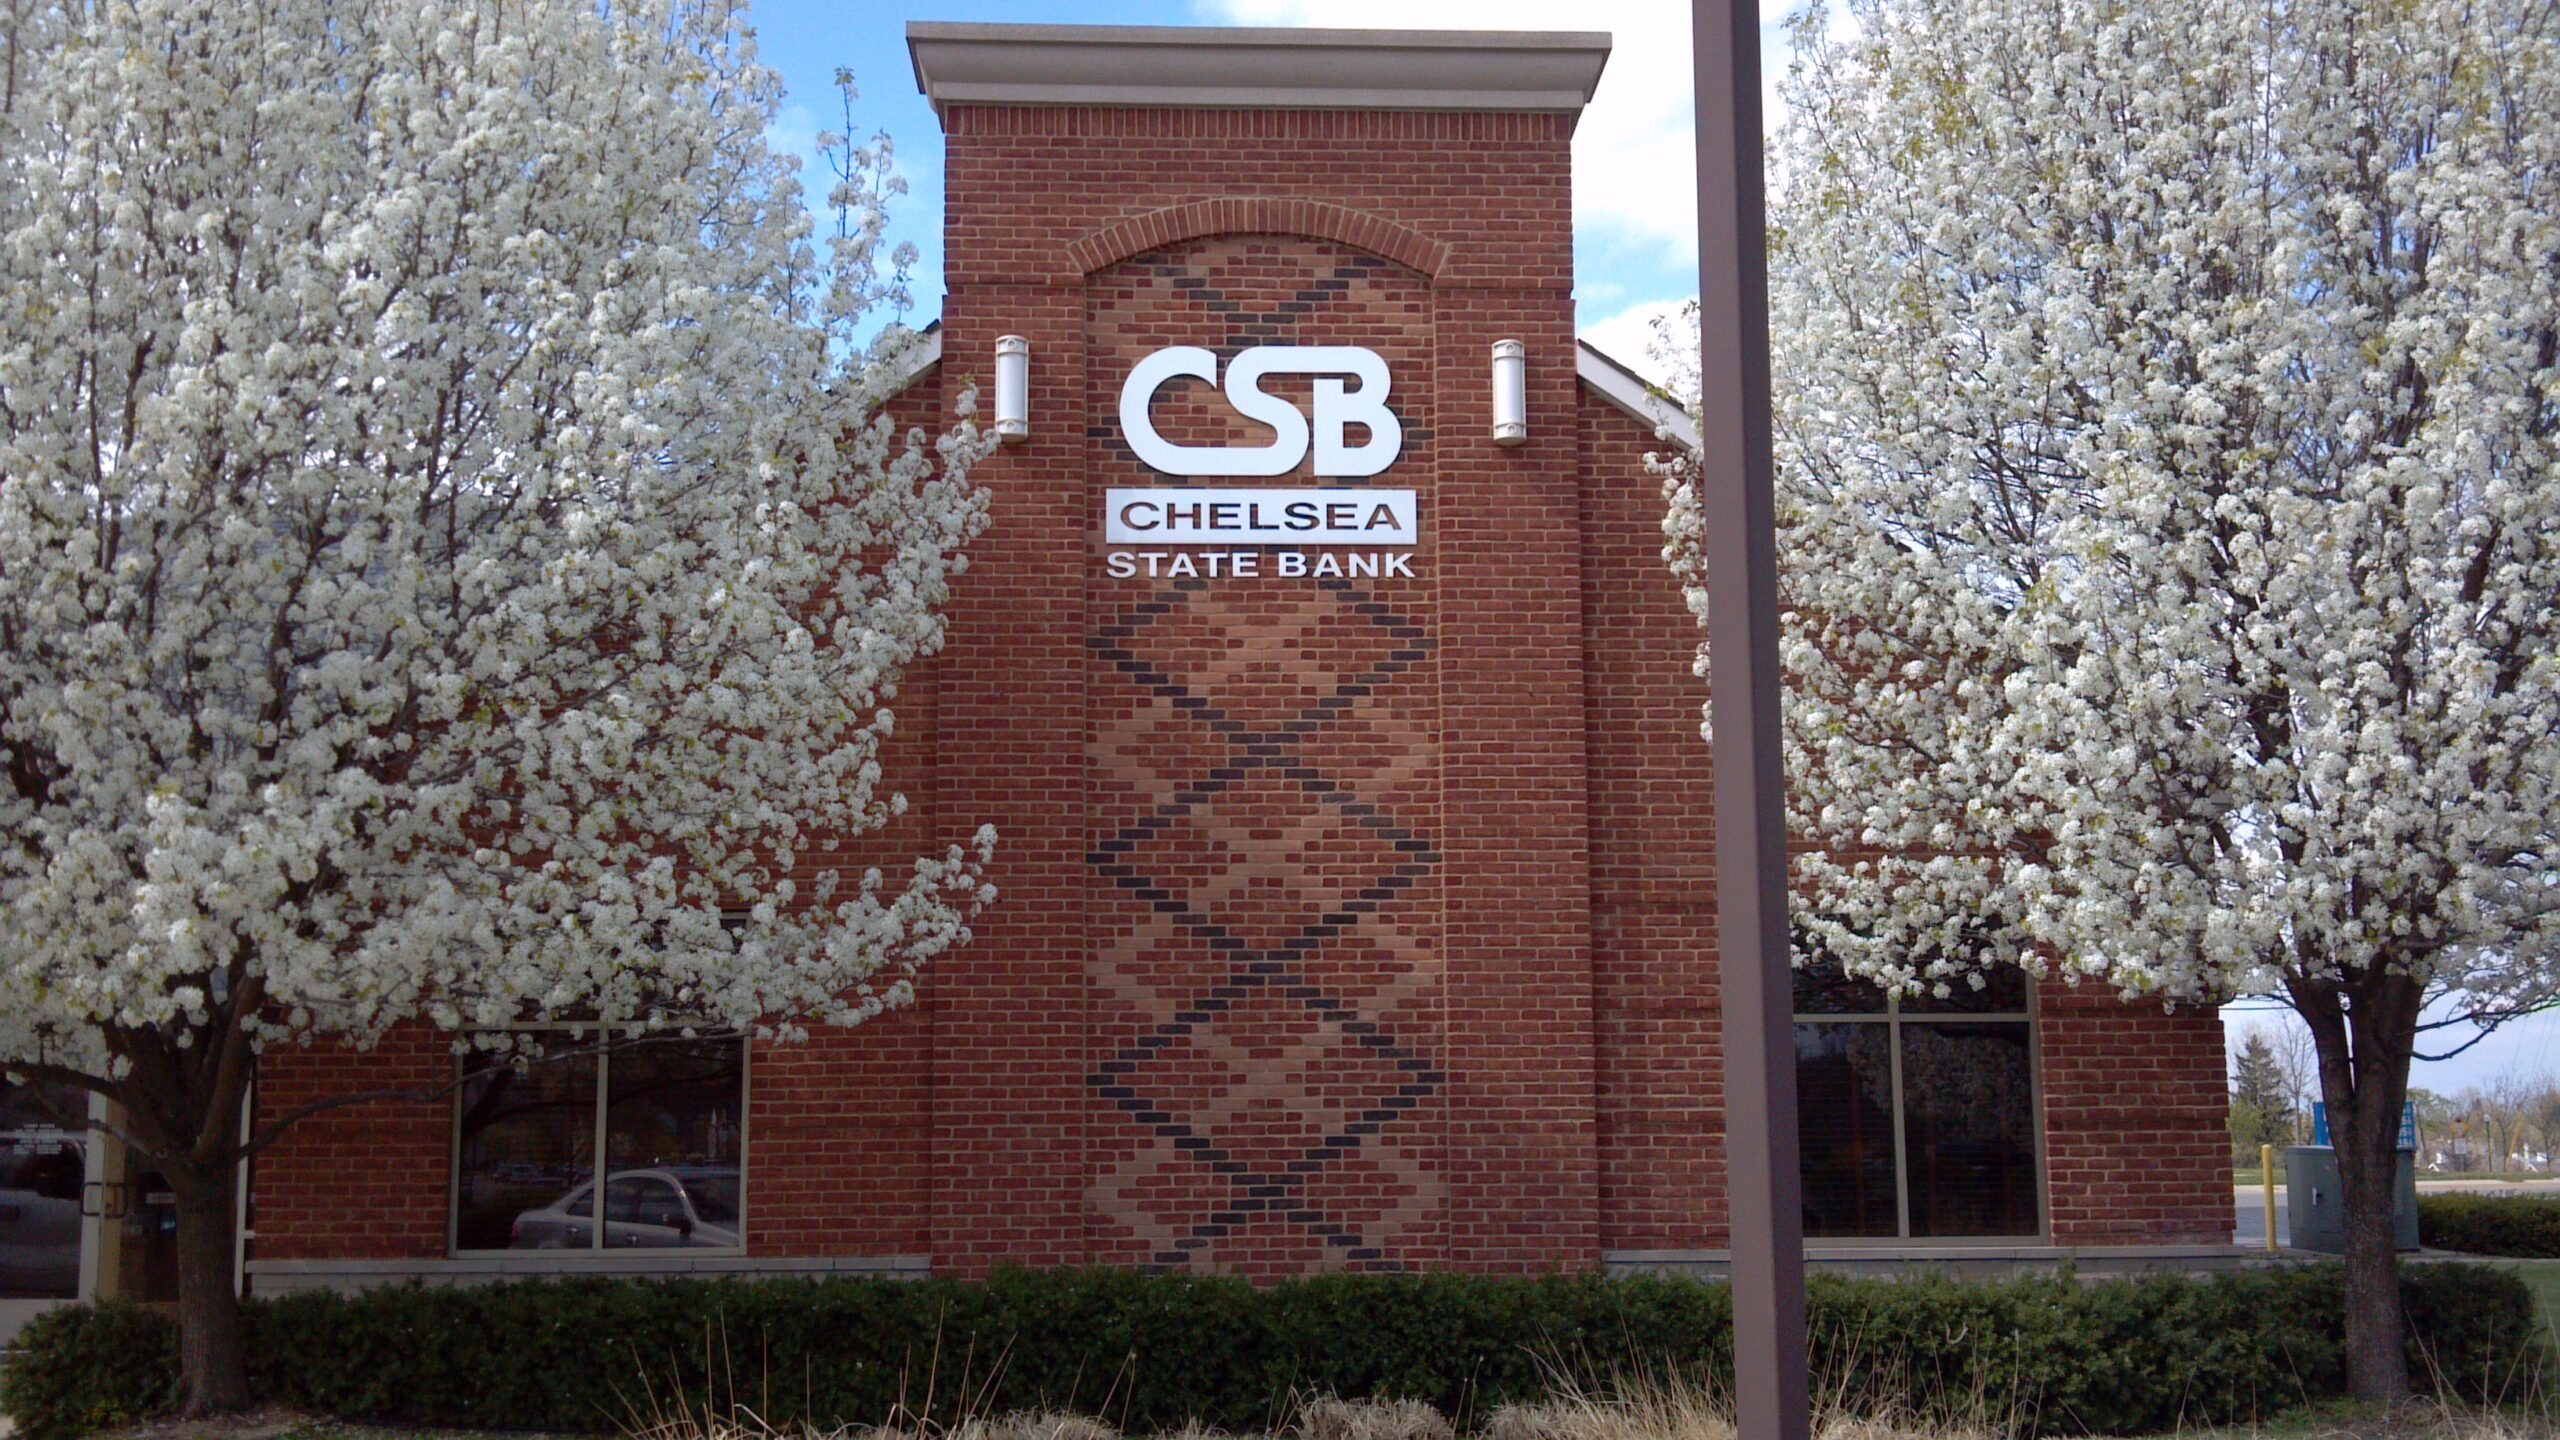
<point x="76" y="1222"/>
<point x="43" y="1170"/>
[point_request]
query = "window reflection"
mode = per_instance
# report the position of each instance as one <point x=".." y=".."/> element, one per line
<point x="1958" y="1095"/>
<point x="43" y="1151"/>
<point x="673" y="1108"/>
<point x="1824" y="989"/>
<point x="528" y="1140"/>
<point x="667" y="1115"/>
<point x="1844" y="1096"/>
<point x="1969" y="1129"/>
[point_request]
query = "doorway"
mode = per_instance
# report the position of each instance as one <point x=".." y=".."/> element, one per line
<point x="76" y="1221"/>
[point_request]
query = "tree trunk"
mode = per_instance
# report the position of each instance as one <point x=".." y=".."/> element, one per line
<point x="2377" y="1357"/>
<point x="213" y="1351"/>
<point x="2364" y="1035"/>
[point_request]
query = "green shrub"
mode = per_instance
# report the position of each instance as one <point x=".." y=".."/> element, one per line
<point x="1157" y="1352"/>
<point x="86" y="1367"/>
<point x="2468" y="1326"/>
<point x="2527" y="1225"/>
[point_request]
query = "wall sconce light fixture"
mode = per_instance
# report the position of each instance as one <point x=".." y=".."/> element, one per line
<point x="1013" y="389"/>
<point x="1510" y="393"/>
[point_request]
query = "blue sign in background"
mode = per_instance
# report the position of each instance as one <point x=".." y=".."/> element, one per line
<point x="2408" y="1123"/>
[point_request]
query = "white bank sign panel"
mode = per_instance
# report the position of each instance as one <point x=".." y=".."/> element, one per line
<point x="1260" y="517"/>
<point x="1254" y="532"/>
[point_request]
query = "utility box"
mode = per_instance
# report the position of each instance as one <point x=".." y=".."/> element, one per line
<point x="2313" y="1205"/>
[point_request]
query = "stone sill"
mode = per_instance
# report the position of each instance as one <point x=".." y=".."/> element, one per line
<point x="279" y="1276"/>
<point x="2010" y="1257"/>
<point x="275" y="1277"/>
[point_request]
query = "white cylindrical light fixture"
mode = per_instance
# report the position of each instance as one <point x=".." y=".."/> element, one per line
<point x="1013" y="389"/>
<point x="1510" y="393"/>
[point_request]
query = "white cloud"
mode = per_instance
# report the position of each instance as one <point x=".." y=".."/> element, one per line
<point x="1629" y="337"/>
<point x="1634" y="155"/>
<point x="795" y="132"/>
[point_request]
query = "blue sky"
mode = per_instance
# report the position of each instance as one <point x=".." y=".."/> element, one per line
<point x="2529" y="1048"/>
<point x="1635" y="229"/>
<point x="1635" y="221"/>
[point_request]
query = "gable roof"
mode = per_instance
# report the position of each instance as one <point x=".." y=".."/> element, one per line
<point x="1634" y="394"/>
<point x="917" y="358"/>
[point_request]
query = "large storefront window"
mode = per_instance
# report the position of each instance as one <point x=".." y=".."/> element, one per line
<point x="668" y="1117"/>
<point x="1916" y="1116"/>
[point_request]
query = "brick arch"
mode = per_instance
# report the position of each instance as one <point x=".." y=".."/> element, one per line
<point x="1312" y="218"/>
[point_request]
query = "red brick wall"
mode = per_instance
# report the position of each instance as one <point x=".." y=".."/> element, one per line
<point x="1318" y="850"/>
<point x="2136" y="1149"/>
<point x="1524" y="1182"/>
<point x="839" y="1128"/>
<point x="366" y="1182"/>
<point x="1362" y="924"/>
<point x="839" y="1131"/>
<point x="1043" y="195"/>
<point x="1661" y="1096"/>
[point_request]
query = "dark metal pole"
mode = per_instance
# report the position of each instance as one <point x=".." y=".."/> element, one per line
<point x="1739" y="514"/>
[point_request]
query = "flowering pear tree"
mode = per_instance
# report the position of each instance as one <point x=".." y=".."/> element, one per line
<point x="450" y="567"/>
<point x="2170" y="517"/>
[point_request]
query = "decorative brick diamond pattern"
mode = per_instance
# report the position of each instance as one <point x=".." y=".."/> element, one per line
<point x="1266" y="1052"/>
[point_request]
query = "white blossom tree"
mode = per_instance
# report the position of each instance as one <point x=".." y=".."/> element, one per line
<point x="450" y="567"/>
<point x="2169" y="515"/>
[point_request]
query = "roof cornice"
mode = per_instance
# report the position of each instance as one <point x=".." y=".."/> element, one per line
<point x="1208" y="67"/>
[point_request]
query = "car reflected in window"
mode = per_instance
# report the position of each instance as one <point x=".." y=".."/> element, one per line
<point x="673" y="1208"/>
<point x="660" y="1120"/>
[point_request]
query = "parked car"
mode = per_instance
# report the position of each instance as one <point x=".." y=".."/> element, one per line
<point x="671" y="1208"/>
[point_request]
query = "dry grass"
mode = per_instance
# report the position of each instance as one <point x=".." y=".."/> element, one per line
<point x="1674" y="1411"/>
<point x="1685" y="1410"/>
<point x="2418" y="1420"/>
<point x="1325" y="1418"/>
<point x="1655" y="1413"/>
<point x="1648" y="1412"/>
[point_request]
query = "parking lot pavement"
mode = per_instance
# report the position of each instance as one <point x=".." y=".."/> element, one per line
<point x="2249" y="1217"/>
<point x="2249" y="1204"/>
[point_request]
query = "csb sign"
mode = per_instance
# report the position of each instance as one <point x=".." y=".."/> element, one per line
<point x="1266" y="531"/>
<point x="1336" y="410"/>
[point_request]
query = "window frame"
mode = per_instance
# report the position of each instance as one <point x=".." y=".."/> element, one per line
<point x="597" y="1252"/>
<point x="1894" y="1018"/>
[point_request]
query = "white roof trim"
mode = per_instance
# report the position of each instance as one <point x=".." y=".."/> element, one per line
<point x="1217" y="67"/>
<point x="1634" y="394"/>
<point x="916" y="359"/>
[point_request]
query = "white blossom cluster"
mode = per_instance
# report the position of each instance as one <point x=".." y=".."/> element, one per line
<point x="2169" y="501"/>
<point x="450" y="564"/>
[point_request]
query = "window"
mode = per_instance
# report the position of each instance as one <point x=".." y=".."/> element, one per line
<point x="666" y="1115"/>
<point x="1916" y="1117"/>
<point x="43" y="1152"/>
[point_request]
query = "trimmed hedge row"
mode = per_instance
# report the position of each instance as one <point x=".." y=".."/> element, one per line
<point x="2524" y="1225"/>
<point x="1156" y="1352"/>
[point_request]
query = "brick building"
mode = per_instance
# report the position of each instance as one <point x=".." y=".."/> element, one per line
<point x="1356" y="906"/>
